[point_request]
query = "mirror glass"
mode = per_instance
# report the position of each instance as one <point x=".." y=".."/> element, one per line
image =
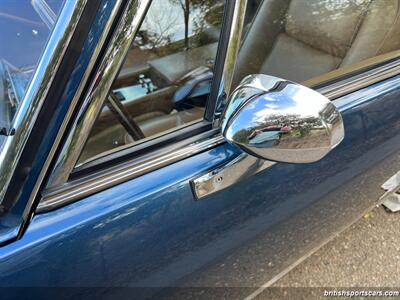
<point x="279" y="120"/>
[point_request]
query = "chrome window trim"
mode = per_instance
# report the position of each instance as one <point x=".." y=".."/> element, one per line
<point x="67" y="192"/>
<point x="75" y="99"/>
<point x="235" y="37"/>
<point x="233" y="45"/>
<point x="75" y="190"/>
<point x="104" y="78"/>
<point x="81" y="128"/>
<point x="37" y="90"/>
<point x="362" y="79"/>
<point x="125" y="32"/>
<point x="121" y="173"/>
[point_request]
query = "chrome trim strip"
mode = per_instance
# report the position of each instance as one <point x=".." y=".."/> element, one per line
<point x="73" y="191"/>
<point x="232" y="51"/>
<point x="359" y="81"/>
<point x="38" y="88"/>
<point x="122" y="173"/>
<point x="66" y="193"/>
<point x="241" y="168"/>
<point x="98" y="90"/>
<point x="234" y="44"/>
<point x="354" y="99"/>
<point x="75" y="99"/>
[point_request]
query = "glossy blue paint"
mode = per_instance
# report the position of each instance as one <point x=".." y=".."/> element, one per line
<point x="11" y="222"/>
<point x="150" y="232"/>
<point x="105" y="216"/>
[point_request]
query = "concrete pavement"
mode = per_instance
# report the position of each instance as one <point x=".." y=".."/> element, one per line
<point x="365" y="255"/>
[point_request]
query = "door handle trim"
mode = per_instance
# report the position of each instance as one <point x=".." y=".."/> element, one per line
<point x="222" y="177"/>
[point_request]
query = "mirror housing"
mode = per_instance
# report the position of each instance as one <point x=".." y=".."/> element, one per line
<point x="279" y="120"/>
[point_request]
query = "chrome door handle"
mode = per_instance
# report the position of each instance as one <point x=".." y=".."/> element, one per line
<point x="230" y="173"/>
<point x="273" y="119"/>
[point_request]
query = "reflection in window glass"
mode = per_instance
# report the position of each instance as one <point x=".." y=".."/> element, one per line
<point x="25" y="26"/>
<point x="303" y="39"/>
<point x="166" y="77"/>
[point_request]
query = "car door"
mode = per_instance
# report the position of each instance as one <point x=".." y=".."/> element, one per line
<point x="124" y="209"/>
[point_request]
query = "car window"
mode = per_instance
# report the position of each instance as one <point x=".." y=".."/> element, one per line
<point x="301" y="40"/>
<point x="165" y="80"/>
<point x="25" y="26"/>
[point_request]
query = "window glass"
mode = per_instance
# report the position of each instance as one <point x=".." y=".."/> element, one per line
<point x="25" y="26"/>
<point x="301" y="40"/>
<point x="166" y="78"/>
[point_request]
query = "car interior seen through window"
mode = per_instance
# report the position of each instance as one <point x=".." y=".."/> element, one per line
<point x="166" y="78"/>
<point x="167" y="74"/>
<point x="301" y="40"/>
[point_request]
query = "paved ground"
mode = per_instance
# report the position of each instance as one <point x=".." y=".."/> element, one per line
<point x="365" y="255"/>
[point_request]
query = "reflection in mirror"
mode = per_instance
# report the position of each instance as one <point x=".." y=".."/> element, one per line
<point x="282" y="121"/>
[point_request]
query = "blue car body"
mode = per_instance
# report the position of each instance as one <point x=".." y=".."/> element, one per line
<point x="150" y="233"/>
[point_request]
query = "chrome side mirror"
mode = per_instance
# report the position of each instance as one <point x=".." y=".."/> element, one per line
<point x="278" y="120"/>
